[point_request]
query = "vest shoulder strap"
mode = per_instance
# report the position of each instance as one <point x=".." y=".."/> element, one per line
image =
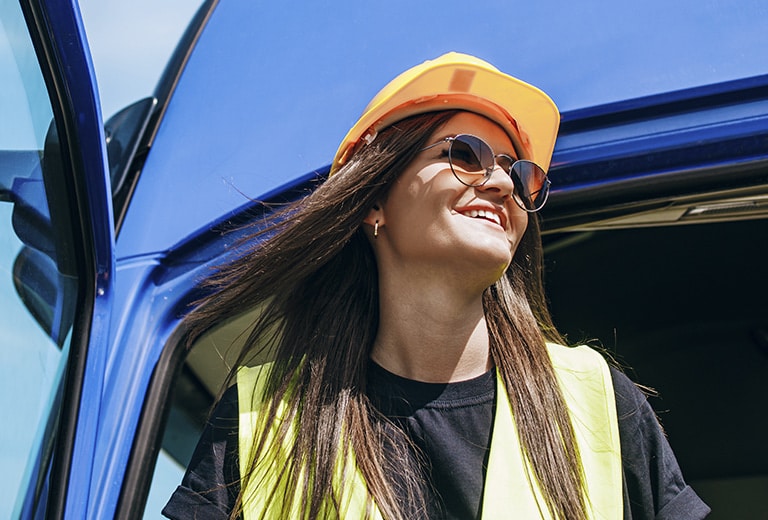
<point x="265" y="477"/>
<point x="587" y="386"/>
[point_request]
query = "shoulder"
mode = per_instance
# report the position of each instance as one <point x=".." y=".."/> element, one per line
<point x="582" y="359"/>
<point x="579" y="357"/>
<point x="580" y="365"/>
<point x="251" y="384"/>
<point x="210" y="485"/>
<point x="587" y="387"/>
<point x="584" y="370"/>
<point x="654" y="483"/>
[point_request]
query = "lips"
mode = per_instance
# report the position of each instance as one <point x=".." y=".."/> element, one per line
<point x="486" y="214"/>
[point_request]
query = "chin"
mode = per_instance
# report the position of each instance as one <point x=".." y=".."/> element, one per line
<point x="500" y="255"/>
<point x="496" y="265"/>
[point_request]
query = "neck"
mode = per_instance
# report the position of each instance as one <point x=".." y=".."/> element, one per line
<point x="429" y="333"/>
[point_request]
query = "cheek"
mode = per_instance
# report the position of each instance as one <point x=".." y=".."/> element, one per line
<point x="518" y="222"/>
<point x="400" y="208"/>
<point x="417" y="201"/>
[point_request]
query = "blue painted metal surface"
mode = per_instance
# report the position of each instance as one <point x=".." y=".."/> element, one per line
<point x="712" y="125"/>
<point x="269" y="92"/>
<point x="146" y="314"/>
<point x="76" y="65"/>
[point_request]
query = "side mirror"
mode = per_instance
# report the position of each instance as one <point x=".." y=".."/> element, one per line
<point x="46" y="293"/>
<point x="123" y="131"/>
<point x="45" y="270"/>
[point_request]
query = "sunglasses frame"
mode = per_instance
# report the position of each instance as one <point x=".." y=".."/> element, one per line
<point x="514" y="171"/>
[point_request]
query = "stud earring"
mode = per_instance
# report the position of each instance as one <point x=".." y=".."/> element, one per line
<point x="376" y="230"/>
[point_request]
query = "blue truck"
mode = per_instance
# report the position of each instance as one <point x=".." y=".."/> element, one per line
<point x="656" y="231"/>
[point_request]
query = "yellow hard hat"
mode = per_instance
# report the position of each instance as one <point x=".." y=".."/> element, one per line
<point x="457" y="81"/>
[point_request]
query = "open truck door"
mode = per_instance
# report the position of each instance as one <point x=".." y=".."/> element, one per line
<point x="56" y="260"/>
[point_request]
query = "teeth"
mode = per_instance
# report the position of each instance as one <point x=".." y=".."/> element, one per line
<point x="481" y="213"/>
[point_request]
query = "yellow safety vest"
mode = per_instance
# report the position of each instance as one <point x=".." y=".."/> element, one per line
<point x="587" y="387"/>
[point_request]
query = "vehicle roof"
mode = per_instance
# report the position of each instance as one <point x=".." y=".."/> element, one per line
<point x="268" y="92"/>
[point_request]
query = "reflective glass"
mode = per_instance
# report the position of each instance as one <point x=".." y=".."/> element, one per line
<point x="36" y="299"/>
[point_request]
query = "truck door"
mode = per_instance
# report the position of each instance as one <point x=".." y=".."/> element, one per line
<point x="56" y="260"/>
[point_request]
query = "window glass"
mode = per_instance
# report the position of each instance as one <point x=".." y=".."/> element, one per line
<point x="199" y="381"/>
<point x="37" y="291"/>
<point x="190" y="405"/>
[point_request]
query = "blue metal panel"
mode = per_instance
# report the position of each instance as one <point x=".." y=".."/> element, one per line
<point x="145" y="317"/>
<point x="715" y="125"/>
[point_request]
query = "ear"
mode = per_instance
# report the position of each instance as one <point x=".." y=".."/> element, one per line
<point x="376" y="214"/>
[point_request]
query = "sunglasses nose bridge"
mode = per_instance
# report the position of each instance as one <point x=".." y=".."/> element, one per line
<point x="498" y="179"/>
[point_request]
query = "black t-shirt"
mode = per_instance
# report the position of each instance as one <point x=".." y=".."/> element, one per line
<point x="451" y="424"/>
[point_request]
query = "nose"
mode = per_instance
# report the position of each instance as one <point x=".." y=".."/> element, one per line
<point x="499" y="184"/>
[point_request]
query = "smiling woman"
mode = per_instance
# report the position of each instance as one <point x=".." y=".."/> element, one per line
<point x="414" y="369"/>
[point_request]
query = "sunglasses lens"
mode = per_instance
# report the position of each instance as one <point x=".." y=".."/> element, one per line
<point x="531" y="184"/>
<point x="470" y="159"/>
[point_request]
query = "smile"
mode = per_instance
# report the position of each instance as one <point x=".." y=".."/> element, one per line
<point x="484" y="214"/>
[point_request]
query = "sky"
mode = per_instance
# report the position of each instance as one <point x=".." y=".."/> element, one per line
<point x="130" y="44"/>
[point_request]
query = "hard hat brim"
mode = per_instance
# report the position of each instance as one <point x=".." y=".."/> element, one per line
<point x="461" y="82"/>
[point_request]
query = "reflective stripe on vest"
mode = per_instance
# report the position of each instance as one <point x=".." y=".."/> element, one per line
<point x="510" y="489"/>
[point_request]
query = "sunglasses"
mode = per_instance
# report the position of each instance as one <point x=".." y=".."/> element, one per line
<point x="472" y="162"/>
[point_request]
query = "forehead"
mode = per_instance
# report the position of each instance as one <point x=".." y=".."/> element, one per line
<point x="470" y="123"/>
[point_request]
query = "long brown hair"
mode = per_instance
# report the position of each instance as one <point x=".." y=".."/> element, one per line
<point x="313" y="272"/>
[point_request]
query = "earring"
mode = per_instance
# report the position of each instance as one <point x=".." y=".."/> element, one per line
<point x="376" y="230"/>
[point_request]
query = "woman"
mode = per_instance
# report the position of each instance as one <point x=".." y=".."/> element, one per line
<point x="415" y="370"/>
